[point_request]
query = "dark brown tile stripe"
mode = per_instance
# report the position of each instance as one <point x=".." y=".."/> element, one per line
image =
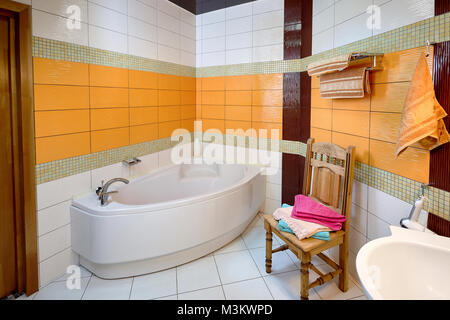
<point x="440" y="158"/>
<point x="296" y="92"/>
<point x="439" y="225"/>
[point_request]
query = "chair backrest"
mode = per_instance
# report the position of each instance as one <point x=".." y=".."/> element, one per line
<point x="328" y="176"/>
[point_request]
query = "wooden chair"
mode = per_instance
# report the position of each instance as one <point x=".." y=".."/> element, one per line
<point x="328" y="178"/>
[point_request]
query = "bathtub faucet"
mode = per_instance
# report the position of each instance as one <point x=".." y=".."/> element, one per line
<point x="103" y="193"/>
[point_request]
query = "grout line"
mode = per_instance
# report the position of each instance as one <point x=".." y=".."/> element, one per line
<point x="131" y="289"/>
<point x="85" y="289"/>
<point x="218" y="273"/>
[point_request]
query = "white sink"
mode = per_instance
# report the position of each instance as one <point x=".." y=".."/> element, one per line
<point x="409" y="265"/>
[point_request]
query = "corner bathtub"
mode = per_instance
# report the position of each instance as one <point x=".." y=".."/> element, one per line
<point x="165" y="219"/>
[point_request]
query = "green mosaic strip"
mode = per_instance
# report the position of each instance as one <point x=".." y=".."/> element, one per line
<point x="58" y="50"/>
<point x="58" y="169"/>
<point x="435" y="29"/>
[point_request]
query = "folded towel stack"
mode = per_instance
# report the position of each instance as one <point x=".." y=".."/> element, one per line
<point x="283" y="226"/>
<point x="308" y="209"/>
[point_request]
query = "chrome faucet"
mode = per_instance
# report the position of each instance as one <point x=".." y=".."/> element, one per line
<point x="103" y="193"/>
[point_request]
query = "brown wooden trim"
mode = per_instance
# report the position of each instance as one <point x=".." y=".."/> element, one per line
<point x="441" y="7"/>
<point x="439" y="225"/>
<point x="25" y="163"/>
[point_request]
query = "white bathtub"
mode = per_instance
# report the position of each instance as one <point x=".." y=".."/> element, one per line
<point x="165" y="219"/>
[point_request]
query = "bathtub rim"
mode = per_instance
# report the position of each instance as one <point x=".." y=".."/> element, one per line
<point x="90" y="204"/>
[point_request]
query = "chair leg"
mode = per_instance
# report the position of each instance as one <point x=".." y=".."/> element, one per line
<point x="268" y="248"/>
<point x="304" y="280"/>
<point x="343" y="263"/>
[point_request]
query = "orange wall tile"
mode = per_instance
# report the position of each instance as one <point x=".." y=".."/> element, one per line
<point x="143" y="115"/>
<point x="273" y="98"/>
<point x="187" y="97"/>
<point x="167" y="128"/>
<point x="108" y="97"/>
<point x="278" y="127"/>
<point x="187" y="84"/>
<point x="361" y="145"/>
<point x="62" y="147"/>
<point x="243" y="113"/>
<point x="352" y="122"/>
<point x="318" y="102"/>
<point x="321" y="118"/>
<point x="168" y="82"/>
<point x="109" y="118"/>
<point x="188" y="112"/>
<point x="52" y="123"/>
<point x="352" y="104"/>
<point x="213" y="84"/>
<point x="238" y="98"/>
<point x="140" y="134"/>
<point x="48" y="71"/>
<point x="213" y="98"/>
<point x="143" y="97"/>
<point x="188" y="124"/>
<point x="213" y="112"/>
<point x="170" y="113"/>
<point x="143" y="80"/>
<point x="238" y="83"/>
<point x="268" y="82"/>
<point x="384" y="126"/>
<point x="412" y="163"/>
<point x="168" y="98"/>
<point x="57" y="97"/>
<point x="267" y="114"/>
<point x="389" y="97"/>
<point x="321" y="135"/>
<point x="237" y="126"/>
<point x="109" y="139"/>
<point x="102" y="76"/>
<point x="213" y="124"/>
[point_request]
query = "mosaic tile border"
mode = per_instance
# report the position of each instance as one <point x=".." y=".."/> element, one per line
<point x="59" y="50"/>
<point x="435" y="29"/>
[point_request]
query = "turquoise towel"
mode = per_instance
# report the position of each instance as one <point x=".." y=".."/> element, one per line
<point x="283" y="226"/>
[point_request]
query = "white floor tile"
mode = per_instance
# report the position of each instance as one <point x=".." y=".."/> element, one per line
<point x="215" y="293"/>
<point x="100" y="289"/>
<point x="331" y="291"/>
<point x="280" y="261"/>
<point x="258" y="221"/>
<point x="286" y="286"/>
<point x="255" y="289"/>
<point x="155" y="285"/>
<point x="199" y="274"/>
<point x="84" y="273"/>
<point x="174" y="297"/>
<point x="360" y="298"/>
<point x="315" y="260"/>
<point x="236" y="266"/>
<point x="25" y="297"/>
<point x="59" y="291"/>
<point x="236" y="245"/>
<point x="256" y="238"/>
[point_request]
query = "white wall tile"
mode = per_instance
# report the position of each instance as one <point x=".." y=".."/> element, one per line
<point x="187" y="44"/>
<point x="187" y="58"/>
<point x="261" y="6"/>
<point x="358" y="219"/>
<point x="118" y="5"/>
<point x="268" y="20"/>
<point x="239" y="41"/>
<point x="356" y="240"/>
<point x="54" y="242"/>
<point x="107" y="40"/>
<point x="268" y="37"/>
<point x="323" y="41"/>
<point x="139" y="29"/>
<point x="149" y="163"/>
<point x="188" y="30"/>
<point x="239" y="25"/>
<point x="57" y="191"/>
<point x="60" y="7"/>
<point x="323" y="21"/>
<point x="320" y="5"/>
<point x="54" y="27"/>
<point x="239" y="11"/>
<point x="268" y="53"/>
<point x="168" y="54"/>
<point x="377" y="228"/>
<point x="168" y="38"/>
<point x="168" y="22"/>
<point x="213" y="30"/>
<point x="352" y="30"/>
<point x="187" y="17"/>
<point x="239" y="56"/>
<point x="53" y="217"/>
<point x="142" y="48"/>
<point x="359" y="194"/>
<point x="105" y="18"/>
<point x="138" y="10"/>
<point x="169" y="8"/>
<point x="387" y="207"/>
<point x="56" y="266"/>
<point x="348" y="9"/>
<point x="104" y="174"/>
<point x="213" y="17"/>
<point x="213" y="44"/>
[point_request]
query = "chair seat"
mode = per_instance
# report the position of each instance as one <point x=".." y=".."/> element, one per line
<point x="306" y="245"/>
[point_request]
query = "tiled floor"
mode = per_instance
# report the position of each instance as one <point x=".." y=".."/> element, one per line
<point x="233" y="272"/>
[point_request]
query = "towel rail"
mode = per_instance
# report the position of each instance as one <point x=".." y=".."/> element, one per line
<point x="365" y="55"/>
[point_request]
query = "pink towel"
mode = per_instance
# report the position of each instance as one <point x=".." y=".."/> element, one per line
<point x="308" y="209"/>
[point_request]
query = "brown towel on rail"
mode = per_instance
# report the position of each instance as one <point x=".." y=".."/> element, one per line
<point x="346" y="84"/>
<point x="330" y="65"/>
<point x="422" y="114"/>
